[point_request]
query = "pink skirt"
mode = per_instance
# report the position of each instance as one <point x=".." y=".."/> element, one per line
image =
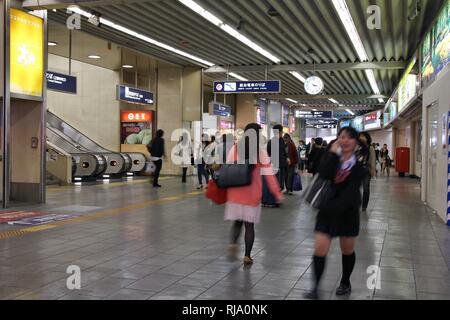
<point x="240" y="212"/>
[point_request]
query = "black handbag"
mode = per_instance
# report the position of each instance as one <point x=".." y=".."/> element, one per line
<point x="234" y="175"/>
<point x="319" y="192"/>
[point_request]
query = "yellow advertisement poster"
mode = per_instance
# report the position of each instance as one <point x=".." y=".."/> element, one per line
<point x="27" y="53"/>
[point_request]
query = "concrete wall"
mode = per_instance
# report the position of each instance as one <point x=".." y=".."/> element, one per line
<point x="94" y="110"/>
<point x="192" y="94"/>
<point x="245" y="110"/>
<point x="438" y="92"/>
<point x="170" y="110"/>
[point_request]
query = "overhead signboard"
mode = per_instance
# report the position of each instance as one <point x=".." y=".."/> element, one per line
<point x="61" y="82"/>
<point x="263" y="86"/>
<point x="133" y="95"/>
<point x="313" y="114"/>
<point x="26" y="54"/>
<point x="372" y="120"/>
<point x="322" y="124"/>
<point x="221" y="110"/>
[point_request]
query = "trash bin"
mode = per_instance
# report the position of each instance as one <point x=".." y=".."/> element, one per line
<point x="402" y="161"/>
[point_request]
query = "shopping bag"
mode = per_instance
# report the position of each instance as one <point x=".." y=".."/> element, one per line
<point x="297" y="185"/>
<point x="215" y="194"/>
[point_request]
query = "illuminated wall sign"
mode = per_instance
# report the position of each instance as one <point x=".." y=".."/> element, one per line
<point x="372" y="120"/>
<point x="407" y="90"/>
<point x="26" y="54"/>
<point x="261" y="114"/>
<point x="136" y="116"/>
<point x="313" y="114"/>
<point x="226" y="125"/>
<point x="358" y="123"/>
<point x="268" y="86"/>
<point x="221" y="110"/>
<point x="285" y="116"/>
<point x="345" y="123"/>
<point x="436" y="47"/>
<point x="133" y="95"/>
<point x="61" y="82"/>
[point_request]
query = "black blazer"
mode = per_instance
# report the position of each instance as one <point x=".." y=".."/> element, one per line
<point x="344" y="206"/>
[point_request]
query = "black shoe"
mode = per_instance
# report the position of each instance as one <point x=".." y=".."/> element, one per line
<point x="312" y="295"/>
<point x="157" y="186"/>
<point x="344" y="290"/>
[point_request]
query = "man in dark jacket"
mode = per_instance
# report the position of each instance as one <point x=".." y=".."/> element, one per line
<point x="316" y="155"/>
<point x="279" y="160"/>
<point x="157" y="152"/>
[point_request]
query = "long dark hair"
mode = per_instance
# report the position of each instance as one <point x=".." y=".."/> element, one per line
<point x="245" y="143"/>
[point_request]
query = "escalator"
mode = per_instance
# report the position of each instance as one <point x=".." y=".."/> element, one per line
<point x="117" y="163"/>
<point x="86" y="164"/>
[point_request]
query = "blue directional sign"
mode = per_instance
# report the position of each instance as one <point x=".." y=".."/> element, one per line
<point x="61" y="82"/>
<point x="133" y="95"/>
<point x="221" y="110"/>
<point x="267" y="86"/>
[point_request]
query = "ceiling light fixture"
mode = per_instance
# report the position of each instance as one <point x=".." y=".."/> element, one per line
<point x="140" y="36"/>
<point x="347" y="20"/>
<point x="234" y="75"/>
<point x="291" y="100"/>
<point x="334" y="101"/>
<point x="228" y="29"/>
<point x="93" y="56"/>
<point x="127" y="66"/>
<point x="350" y="111"/>
<point x="298" y="76"/>
<point x="52" y="43"/>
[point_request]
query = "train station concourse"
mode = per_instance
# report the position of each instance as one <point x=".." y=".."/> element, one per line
<point x="269" y="151"/>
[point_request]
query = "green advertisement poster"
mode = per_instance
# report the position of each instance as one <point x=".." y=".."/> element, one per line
<point x="441" y="40"/>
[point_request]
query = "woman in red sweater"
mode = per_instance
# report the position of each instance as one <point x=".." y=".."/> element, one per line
<point x="292" y="163"/>
<point x="244" y="203"/>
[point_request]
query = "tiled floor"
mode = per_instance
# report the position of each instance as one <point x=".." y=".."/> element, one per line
<point x="134" y="242"/>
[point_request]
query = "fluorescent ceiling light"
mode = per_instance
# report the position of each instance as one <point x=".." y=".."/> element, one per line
<point x="350" y="111"/>
<point x="381" y="100"/>
<point x="54" y="10"/>
<point x="93" y="56"/>
<point x="127" y="66"/>
<point x="234" y="75"/>
<point x="314" y="109"/>
<point x="142" y="37"/>
<point x="347" y="21"/>
<point x="334" y="101"/>
<point x="298" y="76"/>
<point x="228" y="29"/>
<point x="52" y="43"/>
<point x="292" y="100"/>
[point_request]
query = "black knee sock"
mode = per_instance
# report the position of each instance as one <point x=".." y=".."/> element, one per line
<point x="319" y="267"/>
<point x="249" y="238"/>
<point x="348" y="263"/>
<point x="236" y="231"/>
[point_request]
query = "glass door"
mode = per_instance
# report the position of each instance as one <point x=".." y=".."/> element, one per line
<point x="432" y="146"/>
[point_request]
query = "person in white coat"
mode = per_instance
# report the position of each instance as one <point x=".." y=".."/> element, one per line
<point x="184" y="151"/>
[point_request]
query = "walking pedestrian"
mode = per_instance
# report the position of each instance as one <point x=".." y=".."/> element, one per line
<point x="367" y="157"/>
<point x="184" y="151"/>
<point x="339" y="217"/>
<point x="280" y="159"/>
<point x="158" y="152"/>
<point x="244" y="203"/>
